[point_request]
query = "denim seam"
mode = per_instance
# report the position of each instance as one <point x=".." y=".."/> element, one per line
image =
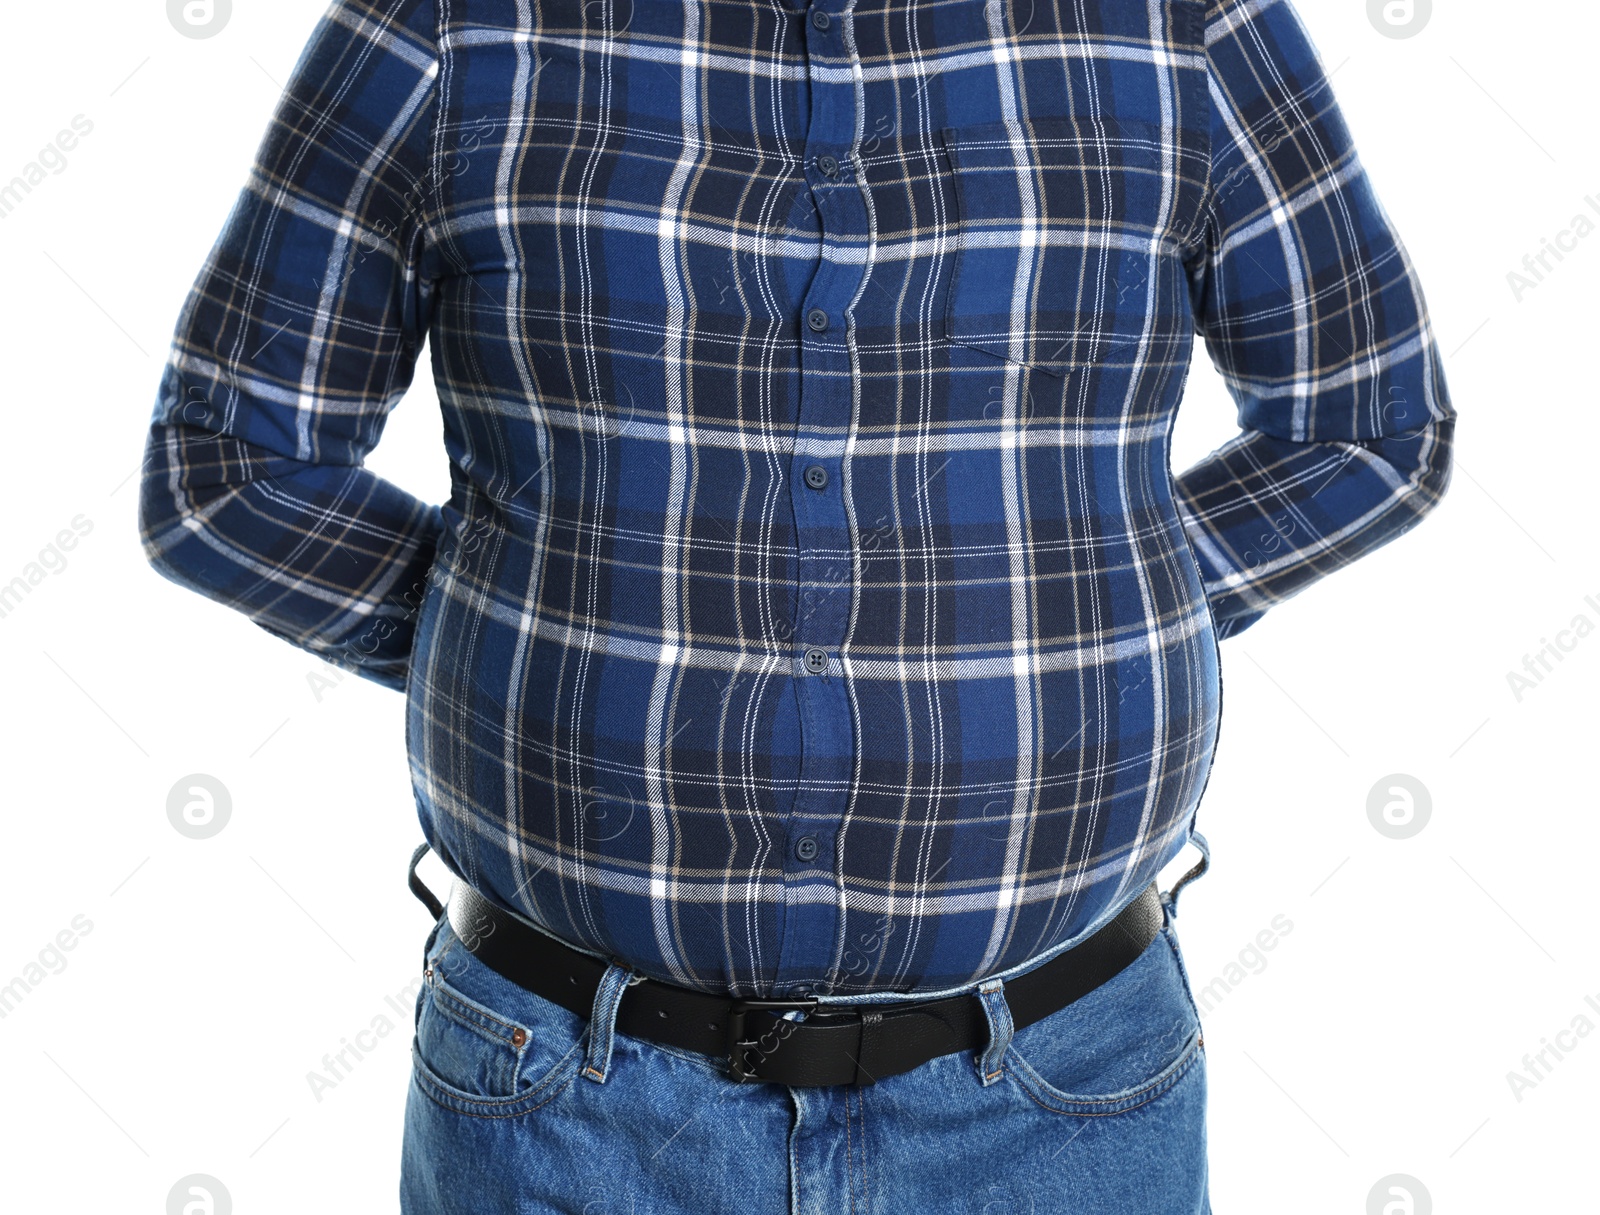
<point x="495" y="1031"/>
<point x="456" y="1007"/>
<point x="608" y="995"/>
<point x="861" y="1109"/>
<point x="468" y="1105"/>
<point x="1183" y="972"/>
<point x="1042" y="1093"/>
<point x="997" y="1014"/>
<point x="849" y="1151"/>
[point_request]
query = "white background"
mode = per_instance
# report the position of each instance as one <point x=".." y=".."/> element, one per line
<point x="217" y="974"/>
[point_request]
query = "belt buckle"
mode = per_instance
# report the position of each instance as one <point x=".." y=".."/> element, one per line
<point x="738" y="1067"/>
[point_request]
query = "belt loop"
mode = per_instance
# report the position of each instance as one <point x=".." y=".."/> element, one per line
<point x="998" y="1014"/>
<point x="420" y="888"/>
<point x="603" y="1020"/>
<point x="1170" y="899"/>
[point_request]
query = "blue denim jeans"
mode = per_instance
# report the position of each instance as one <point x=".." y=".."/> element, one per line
<point x="517" y="1105"/>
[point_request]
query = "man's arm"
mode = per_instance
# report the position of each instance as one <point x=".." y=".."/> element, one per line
<point x="300" y="334"/>
<point x="1311" y="311"/>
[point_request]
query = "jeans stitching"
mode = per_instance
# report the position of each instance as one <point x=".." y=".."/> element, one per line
<point x="460" y="1102"/>
<point x="457" y="1008"/>
<point x="861" y="1109"/>
<point x="1030" y="1081"/>
<point x="1183" y="971"/>
<point x="494" y="1030"/>
<point x="849" y="1152"/>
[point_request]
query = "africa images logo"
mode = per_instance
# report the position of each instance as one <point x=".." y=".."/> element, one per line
<point x="1399" y="18"/>
<point x="1399" y="1194"/>
<point x="199" y="18"/>
<point x="1399" y="806"/>
<point x="199" y="1194"/>
<point x="199" y="806"/>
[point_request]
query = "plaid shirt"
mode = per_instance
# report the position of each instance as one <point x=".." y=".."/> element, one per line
<point x="815" y="608"/>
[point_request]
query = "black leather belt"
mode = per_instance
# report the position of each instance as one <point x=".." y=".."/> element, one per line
<point x="834" y="1044"/>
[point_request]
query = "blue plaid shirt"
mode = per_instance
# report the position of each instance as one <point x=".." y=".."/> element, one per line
<point x="815" y="608"/>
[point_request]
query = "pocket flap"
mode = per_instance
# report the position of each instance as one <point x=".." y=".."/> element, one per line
<point x="1062" y="230"/>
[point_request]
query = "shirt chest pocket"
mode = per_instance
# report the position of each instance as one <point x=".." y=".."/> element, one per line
<point x="1063" y="258"/>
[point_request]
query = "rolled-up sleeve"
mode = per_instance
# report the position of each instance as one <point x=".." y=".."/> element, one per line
<point x="299" y="335"/>
<point x="1311" y="310"/>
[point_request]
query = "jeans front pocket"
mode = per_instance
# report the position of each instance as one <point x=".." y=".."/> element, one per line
<point x="1124" y="1045"/>
<point x="485" y="1046"/>
<point x="1067" y="250"/>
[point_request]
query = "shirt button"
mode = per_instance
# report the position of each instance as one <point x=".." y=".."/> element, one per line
<point x="816" y="660"/>
<point x="806" y="847"/>
<point x="819" y="18"/>
<point x="817" y="477"/>
<point x="817" y="319"/>
<point x="828" y="165"/>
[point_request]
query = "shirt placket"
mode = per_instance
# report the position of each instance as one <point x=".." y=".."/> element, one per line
<point x="818" y="489"/>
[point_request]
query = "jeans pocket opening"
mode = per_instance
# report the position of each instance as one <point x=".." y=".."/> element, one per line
<point x="1122" y="1046"/>
<point x="474" y="1058"/>
<point x="1104" y="1105"/>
